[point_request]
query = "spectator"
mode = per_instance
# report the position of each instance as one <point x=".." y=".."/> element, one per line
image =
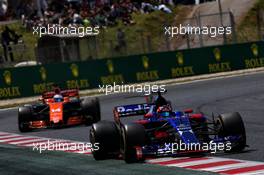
<point x="41" y="7"/>
<point x="6" y="39"/>
<point x="164" y="8"/>
<point x="3" y="9"/>
<point x="147" y="7"/>
<point x="103" y="13"/>
<point x="121" y="40"/>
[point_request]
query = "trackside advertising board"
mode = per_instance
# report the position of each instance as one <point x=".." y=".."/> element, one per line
<point x="34" y="80"/>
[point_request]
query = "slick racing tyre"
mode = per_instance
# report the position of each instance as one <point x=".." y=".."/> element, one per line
<point x="133" y="137"/>
<point x="91" y="110"/>
<point x="104" y="137"/>
<point x="24" y="117"/>
<point x="231" y="124"/>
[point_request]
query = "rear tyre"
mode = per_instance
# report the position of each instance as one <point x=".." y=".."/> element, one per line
<point x="232" y="124"/>
<point x="91" y="110"/>
<point x="133" y="137"/>
<point x="24" y="117"/>
<point x="104" y="137"/>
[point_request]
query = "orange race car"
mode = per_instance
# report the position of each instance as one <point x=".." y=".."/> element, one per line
<point x="57" y="109"/>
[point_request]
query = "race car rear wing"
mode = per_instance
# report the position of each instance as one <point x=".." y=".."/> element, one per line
<point x="64" y="93"/>
<point x="131" y="110"/>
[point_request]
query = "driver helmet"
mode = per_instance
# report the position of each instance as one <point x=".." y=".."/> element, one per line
<point x="164" y="111"/>
<point x="58" y="98"/>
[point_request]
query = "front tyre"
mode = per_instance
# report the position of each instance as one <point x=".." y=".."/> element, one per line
<point x="104" y="137"/>
<point x="133" y="136"/>
<point x="231" y="124"/>
<point x="24" y="116"/>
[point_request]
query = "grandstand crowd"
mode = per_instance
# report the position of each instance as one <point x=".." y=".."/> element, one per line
<point x="85" y="12"/>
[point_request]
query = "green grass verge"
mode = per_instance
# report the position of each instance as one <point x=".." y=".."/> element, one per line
<point x="146" y="26"/>
<point x="247" y="29"/>
<point x="146" y="35"/>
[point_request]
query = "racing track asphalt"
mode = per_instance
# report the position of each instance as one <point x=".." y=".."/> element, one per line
<point x="244" y="94"/>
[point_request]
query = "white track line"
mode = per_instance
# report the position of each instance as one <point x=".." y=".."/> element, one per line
<point x="236" y="166"/>
<point x="11" y="139"/>
<point x="198" y="162"/>
<point x="163" y="159"/>
<point x="28" y="141"/>
<point x="233" y="166"/>
<point x="261" y="172"/>
<point x="11" y="135"/>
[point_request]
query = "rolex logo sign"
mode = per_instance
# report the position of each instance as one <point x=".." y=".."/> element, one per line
<point x="180" y="59"/>
<point x="43" y="74"/>
<point x="75" y="70"/>
<point x="145" y="61"/>
<point x="254" y="49"/>
<point x="7" y="77"/>
<point x="110" y="66"/>
<point x="217" y="54"/>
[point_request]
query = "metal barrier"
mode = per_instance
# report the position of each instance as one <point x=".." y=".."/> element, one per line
<point x="106" y="45"/>
<point x="13" y="53"/>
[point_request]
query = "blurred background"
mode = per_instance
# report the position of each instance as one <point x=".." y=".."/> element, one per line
<point x="126" y="27"/>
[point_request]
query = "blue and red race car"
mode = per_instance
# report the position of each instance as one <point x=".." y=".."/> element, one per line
<point x="164" y="132"/>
